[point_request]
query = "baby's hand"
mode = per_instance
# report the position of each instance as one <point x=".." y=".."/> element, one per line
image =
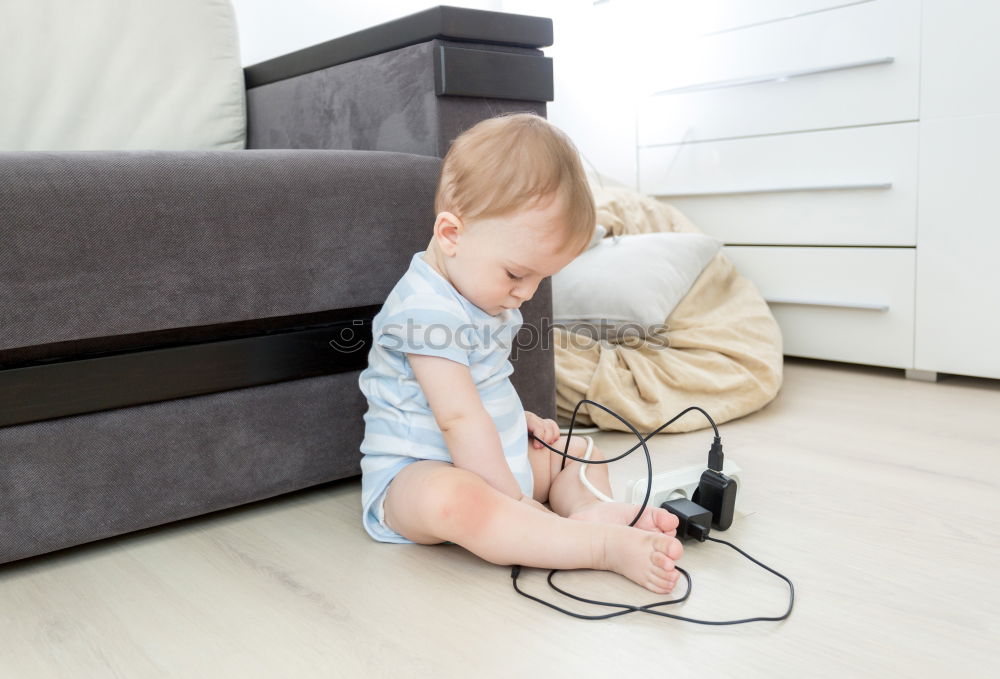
<point x="544" y="429"/>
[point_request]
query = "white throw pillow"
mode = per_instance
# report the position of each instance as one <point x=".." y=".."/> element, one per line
<point x="629" y="285"/>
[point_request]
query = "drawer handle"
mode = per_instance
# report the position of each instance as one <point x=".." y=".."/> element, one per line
<point x="781" y="189"/>
<point x="840" y="305"/>
<point x="786" y="17"/>
<point x="774" y="77"/>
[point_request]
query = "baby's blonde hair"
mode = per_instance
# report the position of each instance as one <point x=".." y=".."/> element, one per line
<point x="512" y="162"/>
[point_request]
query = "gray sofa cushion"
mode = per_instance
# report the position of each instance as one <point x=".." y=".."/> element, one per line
<point x="103" y="244"/>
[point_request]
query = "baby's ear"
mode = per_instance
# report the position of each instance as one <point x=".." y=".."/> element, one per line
<point x="446" y="229"/>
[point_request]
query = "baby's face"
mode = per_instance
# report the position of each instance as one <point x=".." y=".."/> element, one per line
<point x="498" y="262"/>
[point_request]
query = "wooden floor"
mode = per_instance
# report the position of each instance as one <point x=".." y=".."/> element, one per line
<point x="876" y="495"/>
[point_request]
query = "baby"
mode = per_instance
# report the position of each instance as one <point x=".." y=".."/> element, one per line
<point x="446" y="456"/>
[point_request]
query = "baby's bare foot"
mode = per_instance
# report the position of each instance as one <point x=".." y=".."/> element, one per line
<point x="644" y="557"/>
<point x="654" y="519"/>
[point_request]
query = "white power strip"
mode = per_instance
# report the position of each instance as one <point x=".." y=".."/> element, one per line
<point x="677" y="483"/>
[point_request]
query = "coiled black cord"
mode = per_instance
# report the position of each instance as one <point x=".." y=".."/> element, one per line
<point x="627" y="608"/>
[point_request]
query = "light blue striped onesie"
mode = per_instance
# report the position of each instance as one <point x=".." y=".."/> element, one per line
<point x="425" y="314"/>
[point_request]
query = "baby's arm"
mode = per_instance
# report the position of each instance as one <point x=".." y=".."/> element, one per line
<point x="468" y="429"/>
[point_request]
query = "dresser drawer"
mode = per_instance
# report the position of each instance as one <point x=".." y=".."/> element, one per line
<point x="853" y="65"/>
<point x="855" y="186"/>
<point x="839" y="304"/>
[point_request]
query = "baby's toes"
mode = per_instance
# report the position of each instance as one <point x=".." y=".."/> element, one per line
<point x="661" y="585"/>
<point x="662" y="563"/>
<point x="665" y="521"/>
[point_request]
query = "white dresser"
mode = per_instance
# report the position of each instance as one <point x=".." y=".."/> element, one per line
<point x="848" y="154"/>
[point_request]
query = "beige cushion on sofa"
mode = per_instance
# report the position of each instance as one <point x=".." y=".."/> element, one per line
<point x="120" y="74"/>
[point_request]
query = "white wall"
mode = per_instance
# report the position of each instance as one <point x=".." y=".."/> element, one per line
<point x="269" y="28"/>
<point x="608" y="55"/>
<point x="595" y="80"/>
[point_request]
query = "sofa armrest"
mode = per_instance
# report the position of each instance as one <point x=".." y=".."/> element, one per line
<point x="409" y="85"/>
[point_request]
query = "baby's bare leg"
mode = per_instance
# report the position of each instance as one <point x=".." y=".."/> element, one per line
<point x="567" y="494"/>
<point x="430" y="502"/>
<point x="570" y="498"/>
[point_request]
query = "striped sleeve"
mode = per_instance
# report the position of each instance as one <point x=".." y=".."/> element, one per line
<point x="430" y="325"/>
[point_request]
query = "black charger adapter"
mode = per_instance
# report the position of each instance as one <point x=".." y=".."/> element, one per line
<point x="716" y="492"/>
<point x="693" y="519"/>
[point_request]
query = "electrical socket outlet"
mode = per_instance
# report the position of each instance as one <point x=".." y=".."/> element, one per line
<point x="677" y="483"/>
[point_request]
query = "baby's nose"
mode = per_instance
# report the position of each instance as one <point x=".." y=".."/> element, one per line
<point x="524" y="298"/>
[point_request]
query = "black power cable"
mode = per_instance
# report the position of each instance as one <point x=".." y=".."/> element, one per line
<point x="627" y="608"/>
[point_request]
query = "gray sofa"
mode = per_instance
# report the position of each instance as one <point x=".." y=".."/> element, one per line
<point x="182" y="331"/>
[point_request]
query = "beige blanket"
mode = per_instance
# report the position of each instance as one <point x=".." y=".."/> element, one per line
<point x="721" y="350"/>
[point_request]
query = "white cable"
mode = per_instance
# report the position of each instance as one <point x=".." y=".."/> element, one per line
<point x="583" y="476"/>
